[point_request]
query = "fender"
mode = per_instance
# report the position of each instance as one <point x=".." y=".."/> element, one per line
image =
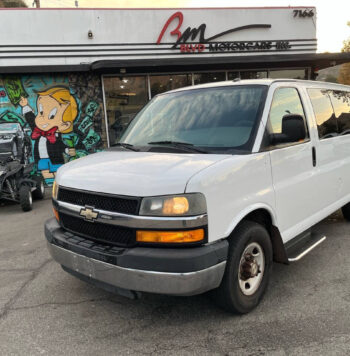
<point x="238" y="218"/>
<point x="279" y="252"/>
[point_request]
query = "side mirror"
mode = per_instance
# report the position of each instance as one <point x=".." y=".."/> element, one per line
<point x="293" y="130"/>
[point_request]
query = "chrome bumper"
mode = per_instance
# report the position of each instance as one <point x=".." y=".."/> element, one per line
<point x="184" y="284"/>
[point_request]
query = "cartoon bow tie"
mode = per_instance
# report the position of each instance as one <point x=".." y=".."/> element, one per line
<point x="50" y="135"/>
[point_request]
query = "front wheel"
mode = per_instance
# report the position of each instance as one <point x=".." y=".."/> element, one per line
<point x="248" y="268"/>
<point x="25" y="198"/>
<point x="346" y="211"/>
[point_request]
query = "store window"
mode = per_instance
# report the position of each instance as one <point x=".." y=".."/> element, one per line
<point x="202" y="78"/>
<point x="125" y="96"/>
<point x="161" y="83"/>
<point x="253" y="75"/>
<point x="232" y="75"/>
<point x="289" y="74"/>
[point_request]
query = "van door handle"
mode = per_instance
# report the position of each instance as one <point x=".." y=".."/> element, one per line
<point x="314" y="156"/>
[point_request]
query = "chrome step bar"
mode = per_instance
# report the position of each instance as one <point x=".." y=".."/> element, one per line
<point x="307" y="247"/>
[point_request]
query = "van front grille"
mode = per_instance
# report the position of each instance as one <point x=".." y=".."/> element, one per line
<point x="118" y="204"/>
<point x="103" y="233"/>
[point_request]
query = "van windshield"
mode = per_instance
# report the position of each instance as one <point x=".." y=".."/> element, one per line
<point x="214" y="119"/>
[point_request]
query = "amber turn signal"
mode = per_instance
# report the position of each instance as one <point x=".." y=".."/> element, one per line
<point x="170" y="236"/>
<point x="55" y="212"/>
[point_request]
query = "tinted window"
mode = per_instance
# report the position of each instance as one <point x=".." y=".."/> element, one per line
<point x="325" y="118"/>
<point x="341" y="105"/>
<point x="213" y="117"/>
<point x="285" y="101"/>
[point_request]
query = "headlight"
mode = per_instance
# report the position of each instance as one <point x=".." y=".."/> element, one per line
<point x="54" y="190"/>
<point x="174" y="205"/>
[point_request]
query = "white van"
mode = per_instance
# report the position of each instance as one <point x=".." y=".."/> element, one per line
<point x="208" y="186"/>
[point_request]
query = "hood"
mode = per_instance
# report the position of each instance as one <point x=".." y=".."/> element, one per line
<point x="134" y="173"/>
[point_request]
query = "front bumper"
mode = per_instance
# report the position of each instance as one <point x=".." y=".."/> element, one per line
<point x="173" y="271"/>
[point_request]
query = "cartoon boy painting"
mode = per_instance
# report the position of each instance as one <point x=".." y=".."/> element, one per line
<point x="56" y="111"/>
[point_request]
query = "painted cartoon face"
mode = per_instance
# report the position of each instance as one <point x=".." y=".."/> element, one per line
<point x="50" y="114"/>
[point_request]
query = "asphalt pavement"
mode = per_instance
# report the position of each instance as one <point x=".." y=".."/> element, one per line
<point x="45" y="311"/>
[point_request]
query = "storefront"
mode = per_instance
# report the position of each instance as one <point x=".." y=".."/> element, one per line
<point x="92" y="70"/>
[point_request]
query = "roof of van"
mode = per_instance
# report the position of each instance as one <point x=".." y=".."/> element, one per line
<point x="309" y="83"/>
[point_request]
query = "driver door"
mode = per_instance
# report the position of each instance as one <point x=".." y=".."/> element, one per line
<point x="294" y="175"/>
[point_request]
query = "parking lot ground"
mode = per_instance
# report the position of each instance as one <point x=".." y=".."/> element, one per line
<point x="44" y="310"/>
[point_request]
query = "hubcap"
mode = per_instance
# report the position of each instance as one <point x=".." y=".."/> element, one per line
<point x="251" y="268"/>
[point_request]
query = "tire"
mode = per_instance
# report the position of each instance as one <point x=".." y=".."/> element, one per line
<point x="39" y="192"/>
<point x="239" y="293"/>
<point x="346" y="211"/>
<point x="25" y="198"/>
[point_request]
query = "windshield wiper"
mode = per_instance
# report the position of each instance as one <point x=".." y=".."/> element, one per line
<point x="125" y="145"/>
<point x="186" y="145"/>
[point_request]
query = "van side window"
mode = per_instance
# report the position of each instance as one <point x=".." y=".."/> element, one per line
<point x="341" y="104"/>
<point x="326" y="121"/>
<point x="286" y="123"/>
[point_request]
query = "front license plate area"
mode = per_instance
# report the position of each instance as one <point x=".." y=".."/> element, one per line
<point x="83" y="265"/>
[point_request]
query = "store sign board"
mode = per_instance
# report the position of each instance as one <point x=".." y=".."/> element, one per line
<point x="74" y="36"/>
<point x="194" y="40"/>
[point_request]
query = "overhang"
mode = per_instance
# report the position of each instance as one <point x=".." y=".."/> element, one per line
<point x="313" y="60"/>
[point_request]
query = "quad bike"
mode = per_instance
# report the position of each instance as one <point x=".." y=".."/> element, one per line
<point x="15" y="139"/>
<point x="16" y="183"/>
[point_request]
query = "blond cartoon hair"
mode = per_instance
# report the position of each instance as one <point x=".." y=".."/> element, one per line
<point x="63" y="96"/>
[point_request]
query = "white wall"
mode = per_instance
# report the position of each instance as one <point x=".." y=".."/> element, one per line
<point x="57" y="37"/>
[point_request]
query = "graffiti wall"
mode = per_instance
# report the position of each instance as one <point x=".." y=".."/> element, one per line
<point x="62" y="114"/>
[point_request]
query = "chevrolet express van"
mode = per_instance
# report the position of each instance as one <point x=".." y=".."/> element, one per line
<point x="207" y="187"/>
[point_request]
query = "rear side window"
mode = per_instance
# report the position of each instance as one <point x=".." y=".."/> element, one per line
<point x="341" y="104"/>
<point x="326" y="121"/>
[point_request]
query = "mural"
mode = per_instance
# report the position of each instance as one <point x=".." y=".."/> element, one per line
<point x="63" y="114"/>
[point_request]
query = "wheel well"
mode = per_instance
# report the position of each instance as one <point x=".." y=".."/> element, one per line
<point x="260" y="216"/>
<point x="263" y="217"/>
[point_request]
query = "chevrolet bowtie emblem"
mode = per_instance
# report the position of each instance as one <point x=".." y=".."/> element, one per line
<point x="89" y="213"/>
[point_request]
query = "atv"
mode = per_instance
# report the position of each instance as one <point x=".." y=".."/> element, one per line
<point x="16" y="183"/>
<point x="15" y="139"/>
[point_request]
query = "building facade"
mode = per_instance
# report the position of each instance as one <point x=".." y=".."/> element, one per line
<point x="76" y="78"/>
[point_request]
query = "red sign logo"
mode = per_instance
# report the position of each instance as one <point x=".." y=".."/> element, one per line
<point x="195" y="34"/>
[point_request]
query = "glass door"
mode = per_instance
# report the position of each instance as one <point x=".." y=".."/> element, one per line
<point x="124" y="96"/>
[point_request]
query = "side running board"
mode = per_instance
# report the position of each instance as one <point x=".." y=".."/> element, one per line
<point x="301" y="245"/>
